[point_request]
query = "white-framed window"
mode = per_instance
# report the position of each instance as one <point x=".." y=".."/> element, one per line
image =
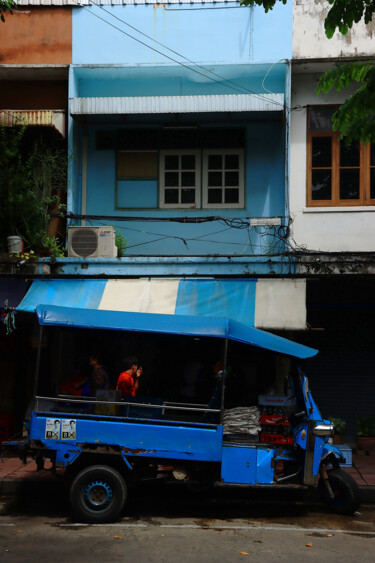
<point x="180" y="179"/>
<point x="223" y="178"/>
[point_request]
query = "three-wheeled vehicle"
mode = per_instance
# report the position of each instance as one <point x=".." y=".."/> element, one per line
<point x="276" y="440"/>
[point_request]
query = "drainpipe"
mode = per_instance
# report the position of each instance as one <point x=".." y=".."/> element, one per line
<point x="287" y="134"/>
<point x="287" y="142"/>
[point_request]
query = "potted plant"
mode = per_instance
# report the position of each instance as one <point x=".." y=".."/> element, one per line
<point x="339" y="429"/>
<point x="366" y="433"/>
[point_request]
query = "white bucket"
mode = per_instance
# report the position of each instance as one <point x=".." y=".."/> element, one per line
<point x="15" y="244"/>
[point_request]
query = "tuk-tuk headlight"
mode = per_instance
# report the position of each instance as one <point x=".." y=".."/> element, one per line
<point x="323" y="430"/>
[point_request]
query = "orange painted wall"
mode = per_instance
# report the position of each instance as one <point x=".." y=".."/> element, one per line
<point x="40" y="36"/>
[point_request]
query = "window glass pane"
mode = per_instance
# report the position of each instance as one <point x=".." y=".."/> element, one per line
<point x="214" y="161"/>
<point x="171" y="162"/>
<point x="188" y="196"/>
<point x="232" y="179"/>
<point x="188" y="162"/>
<point x="232" y="195"/>
<point x="320" y="118"/>
<point x="215" y="179"/>
<point x="232" y="161"/>
<point x="321" y="184"/>
<point x="372" y="158"/>
<point x="349" y="156"/>
<point x="170" y="196"/>
<point x="171" y="179"/>
<point x="321" y="151"/>
<point x="349" y="184"/>
<point x="187" y="178"/>
<point x="372" y="183"/>
<point x="215" y="196"/>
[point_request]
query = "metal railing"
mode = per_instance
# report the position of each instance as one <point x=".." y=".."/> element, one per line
<point x="172" y="406"/>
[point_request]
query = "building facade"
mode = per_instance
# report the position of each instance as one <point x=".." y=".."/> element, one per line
<point x="195" y="132"/>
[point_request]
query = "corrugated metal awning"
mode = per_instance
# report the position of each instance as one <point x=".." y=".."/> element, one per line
<point x="269" y="304"/>
<point x="176" y="104"/>
<point x="42" y="117"/>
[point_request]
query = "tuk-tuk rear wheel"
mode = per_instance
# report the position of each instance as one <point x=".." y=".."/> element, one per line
<point x="98" y="494"/>
<point x="345" y="490"/>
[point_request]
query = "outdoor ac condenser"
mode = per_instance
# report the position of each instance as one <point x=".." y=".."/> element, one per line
<point x="91" y="242"/>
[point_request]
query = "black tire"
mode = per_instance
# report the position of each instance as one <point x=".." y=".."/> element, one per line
<point x="345" y="489"/>
<point x="98" y="494"/>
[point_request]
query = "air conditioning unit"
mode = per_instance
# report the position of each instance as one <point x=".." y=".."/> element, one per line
<point x="91" y="242"/>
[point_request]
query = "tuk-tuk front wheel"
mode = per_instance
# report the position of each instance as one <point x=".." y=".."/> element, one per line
<point x="345" y="491"/>
<point x="98" y="494"/>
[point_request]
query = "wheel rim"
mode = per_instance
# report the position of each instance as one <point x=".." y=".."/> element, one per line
<point x="97" y="496"/>
<point x="339" y="498"/>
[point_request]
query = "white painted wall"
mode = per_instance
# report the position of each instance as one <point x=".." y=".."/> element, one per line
<point x="310" y="41"/>
<point x="349" y="229"/>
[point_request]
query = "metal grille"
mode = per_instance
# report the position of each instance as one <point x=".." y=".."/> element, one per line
<point x="84" y="242"/>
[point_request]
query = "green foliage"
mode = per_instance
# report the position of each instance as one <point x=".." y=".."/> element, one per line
<point x="339" y="424"/>
<point x="344" y="13"/>
<point x="121" y="243"/>
<point x="53" y="244"/>
<point x="366" y="426"/>
<point x="6" y="6"/>
<point x="267" y="4"/>
<point x="355" y="119"/>
<point x="29" y="184"/>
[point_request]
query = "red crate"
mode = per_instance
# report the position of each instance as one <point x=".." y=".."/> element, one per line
<point x="276" y="438"/>
<point x="7" y="427"/>
<point x="273" y="419"/>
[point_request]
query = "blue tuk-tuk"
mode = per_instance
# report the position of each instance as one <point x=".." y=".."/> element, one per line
<point x="281" y="440"/>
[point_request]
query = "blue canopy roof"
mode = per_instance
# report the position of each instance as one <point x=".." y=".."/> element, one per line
<point x="219" y="327"/>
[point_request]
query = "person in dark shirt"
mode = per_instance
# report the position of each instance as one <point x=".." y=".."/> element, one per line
<point x="128" y="380"/>
<point x="99" y="378"/>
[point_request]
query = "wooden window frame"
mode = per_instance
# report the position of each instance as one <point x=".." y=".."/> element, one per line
<point x="364" y="173"/>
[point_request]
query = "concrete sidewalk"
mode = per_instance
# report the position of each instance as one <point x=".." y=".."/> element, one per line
<point x="14" y="476"/>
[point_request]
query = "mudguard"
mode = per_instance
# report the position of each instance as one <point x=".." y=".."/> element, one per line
<point x="329" y="449"/>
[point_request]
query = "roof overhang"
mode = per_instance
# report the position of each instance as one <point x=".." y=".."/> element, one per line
<point x="219" y="327"/>
<point x="34" y="72"/>
<point x="176" y="104"/>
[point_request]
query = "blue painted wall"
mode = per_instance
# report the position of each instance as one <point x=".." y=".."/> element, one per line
<point x="174" y="80"/>
<point x="226" y="37"/>
<point x="202" y="32"/>
<point x="264" y="197"/>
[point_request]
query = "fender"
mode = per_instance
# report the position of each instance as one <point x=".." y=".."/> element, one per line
<point x="330" y="449"/>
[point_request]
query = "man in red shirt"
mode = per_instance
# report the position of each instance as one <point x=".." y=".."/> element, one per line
<point x="129" y="379"/>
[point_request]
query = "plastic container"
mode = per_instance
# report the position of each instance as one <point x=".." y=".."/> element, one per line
<point x="347" y="453"/>
<point x="15" y="244"/>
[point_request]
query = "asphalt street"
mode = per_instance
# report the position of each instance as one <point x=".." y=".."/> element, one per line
<point x="167" y="524"/>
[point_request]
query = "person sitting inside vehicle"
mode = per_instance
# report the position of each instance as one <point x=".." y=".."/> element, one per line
<point x="99" y="378"/>
<point x="128" y="380"/>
